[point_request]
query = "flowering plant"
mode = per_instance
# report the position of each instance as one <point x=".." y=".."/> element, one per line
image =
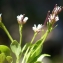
<point x="30" y="52"/>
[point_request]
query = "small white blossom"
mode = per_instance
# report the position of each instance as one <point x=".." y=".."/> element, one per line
<point x="52" y="17"/>
<point x="56" y="18"/>
<point x="25" y="19"/>
<point x="57" y="9"/>
<point x="37" y="28"/>
<point x="21" y="19"/>
<point x="0" y="15"/>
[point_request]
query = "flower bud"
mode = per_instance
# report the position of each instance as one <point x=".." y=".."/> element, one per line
<point x="21" y="19"/>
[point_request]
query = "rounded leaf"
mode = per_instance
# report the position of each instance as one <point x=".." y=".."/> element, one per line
<point x="9" y="59"/>
<point x="5" y="49"/>
<point x="2" y="57"/>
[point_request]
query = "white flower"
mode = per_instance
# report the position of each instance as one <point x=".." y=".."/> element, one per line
<point x="25" y="19"/>
<point x="52" y="17"/>
<point x="56" y="18"/>
<point x="0" y="15"/>
<point x="37" y="28"/>
<point x="57" y="9"/>
<point x="21" y="19"/>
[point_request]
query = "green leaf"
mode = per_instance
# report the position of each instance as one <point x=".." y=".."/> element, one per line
<point x="5" y="49"/>
<point x="16" y="48"/>
<point x="38" y="62"/>
<point x="33" y="57"/>
<point x="40" y="43"/>
<point x="2" y="57"/>
<point x="25" y="47"/>
<point x="40" y="58"/>
<point x="9" y="59"/>
<point x="35" y="47"/>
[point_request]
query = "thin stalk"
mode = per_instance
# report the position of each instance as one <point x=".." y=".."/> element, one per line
<point x="33" y="37"/>
<point x="20" y="32"/>
<point x="6" y="31"/>
<point x="25" y="55"/>
<point x="29" y="54"/>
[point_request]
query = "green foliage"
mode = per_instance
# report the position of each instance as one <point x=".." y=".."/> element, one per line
<point x="25" y="47"/>
<point x="2" y="57"/>
<point x="40" y="58"/>
<point x="31" y="52"/>
<point x="4" y="49"/>
<point x="9" y="59"/>
<point x="16" y="48"/>
<point x="33" y="55"/>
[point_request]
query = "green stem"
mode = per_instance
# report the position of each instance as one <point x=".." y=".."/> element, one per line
<point x="28" y="55"/>
<point x="17" y="60"/>
<point x="33" y="37"/>
<point x="6" y="31"/>
<point x="44" y="37"/>
<point x="25" y="55"/>
<point x="20" y="32"/>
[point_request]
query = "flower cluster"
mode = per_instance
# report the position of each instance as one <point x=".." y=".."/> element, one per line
<point x="37" y="28"/>
<point x="57" y="9"/>
<point x="53" y="17"/>
<point x="21" y="19"/>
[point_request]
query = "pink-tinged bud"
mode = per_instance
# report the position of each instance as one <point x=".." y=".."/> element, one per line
<point x="57" y="9"/>
<point x="52" y="18"/>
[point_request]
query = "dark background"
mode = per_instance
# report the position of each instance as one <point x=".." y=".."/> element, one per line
<point x="36" y="10"/>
